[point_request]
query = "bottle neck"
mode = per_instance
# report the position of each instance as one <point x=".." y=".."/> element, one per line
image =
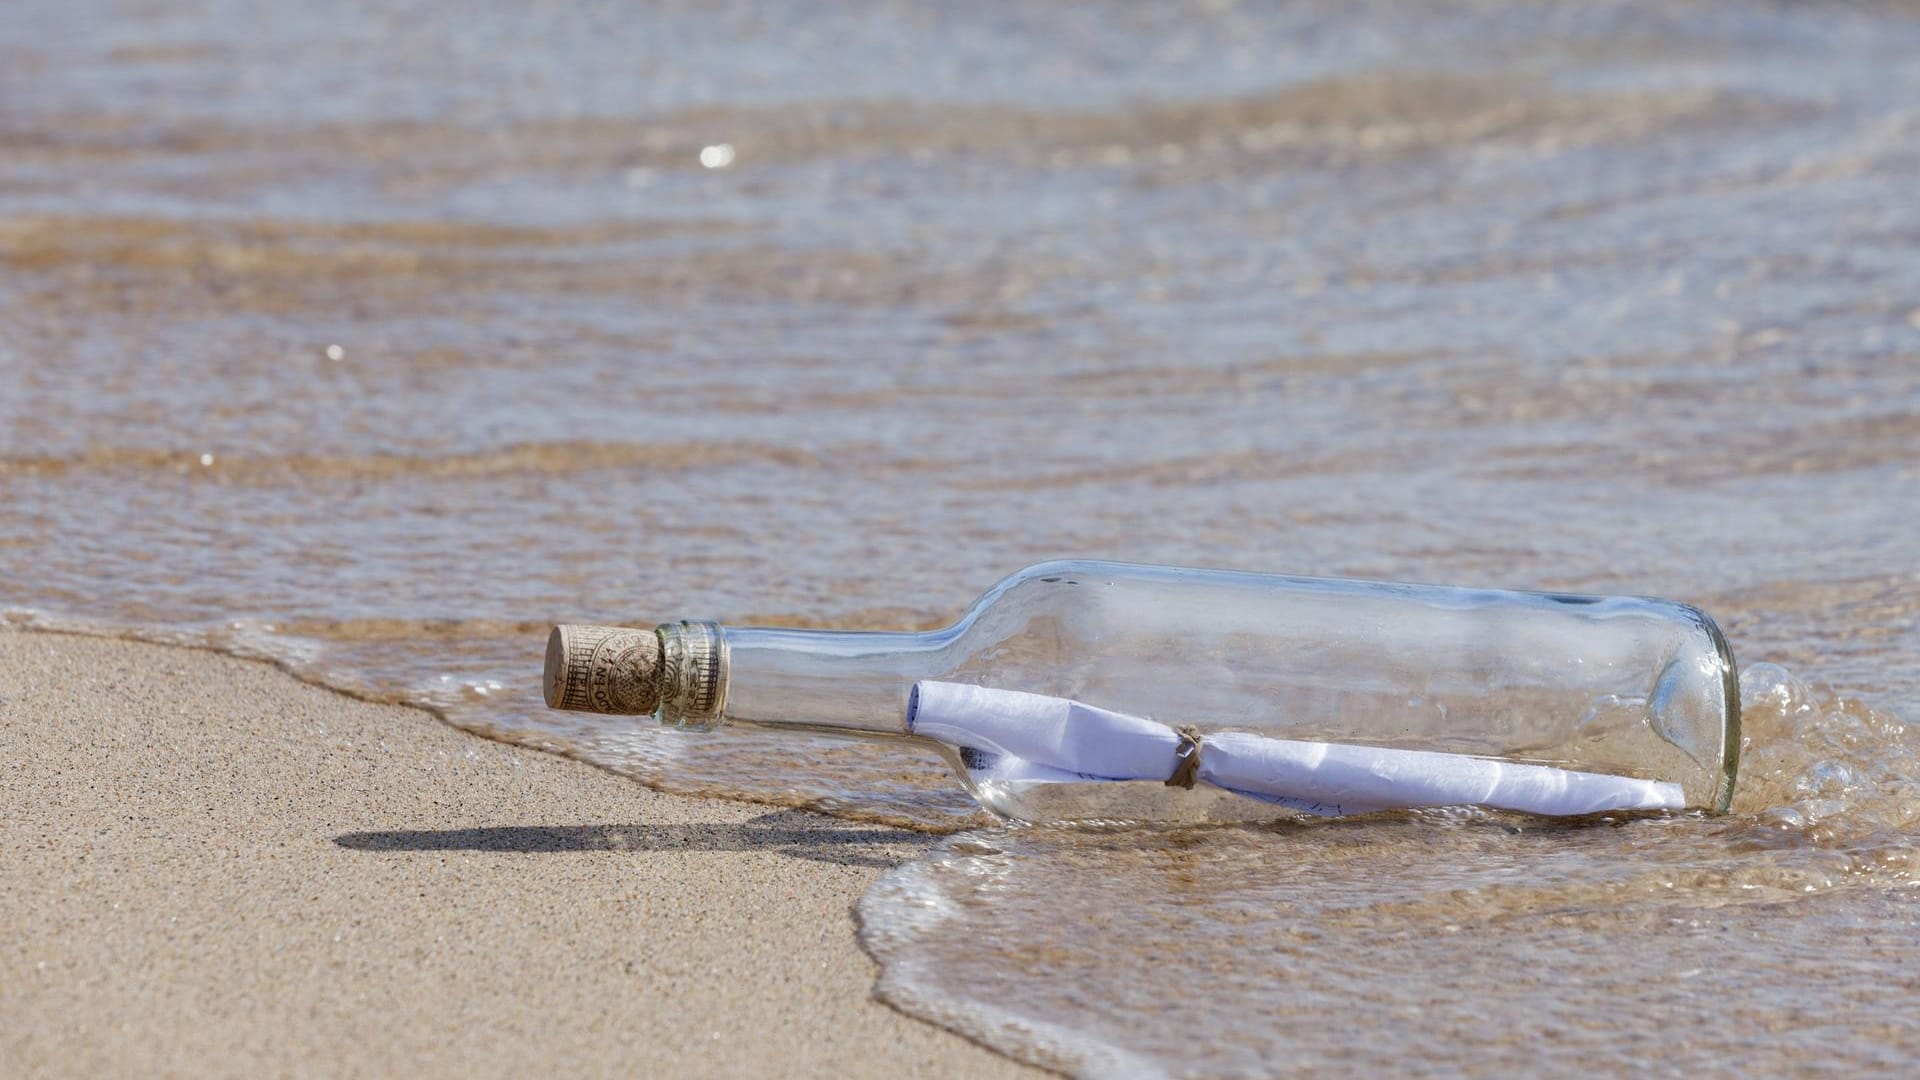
<point x="840" y="680"/>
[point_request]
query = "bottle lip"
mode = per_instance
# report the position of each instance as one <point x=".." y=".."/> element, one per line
<point x="694" y="664"/>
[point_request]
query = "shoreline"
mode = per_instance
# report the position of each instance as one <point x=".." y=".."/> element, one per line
<point x="215" y="867"/>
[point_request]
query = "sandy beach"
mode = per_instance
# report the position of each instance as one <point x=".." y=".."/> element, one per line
<point x="214" y="869"/>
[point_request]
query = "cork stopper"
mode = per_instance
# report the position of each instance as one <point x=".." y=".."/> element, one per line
<point x="603" y="669"/>
<point x="677" y="670"/>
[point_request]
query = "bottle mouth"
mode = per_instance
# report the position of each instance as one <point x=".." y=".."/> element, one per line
<point x="693" y="674"/>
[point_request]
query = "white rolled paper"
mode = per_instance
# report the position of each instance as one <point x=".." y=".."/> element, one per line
<point x="1049" y="739"/>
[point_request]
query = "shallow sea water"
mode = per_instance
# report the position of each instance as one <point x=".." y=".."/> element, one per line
<point x="375" y="340"/>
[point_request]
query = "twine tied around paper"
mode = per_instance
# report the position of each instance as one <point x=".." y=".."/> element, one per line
<point x="1187" y="758"/>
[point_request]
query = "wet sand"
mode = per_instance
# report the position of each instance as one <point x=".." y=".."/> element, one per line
<point x="213" y="869"/>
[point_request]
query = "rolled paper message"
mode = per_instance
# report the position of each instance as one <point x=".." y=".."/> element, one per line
<point x="1050" y="739"/>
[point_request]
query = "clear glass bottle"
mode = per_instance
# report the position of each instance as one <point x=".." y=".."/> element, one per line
<point x="1626" y="686"/>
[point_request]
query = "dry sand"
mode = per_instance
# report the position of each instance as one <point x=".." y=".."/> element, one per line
<point x="211" y="868"/>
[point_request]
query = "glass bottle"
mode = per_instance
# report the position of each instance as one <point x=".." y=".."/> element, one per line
<point x="1619" y="686"/>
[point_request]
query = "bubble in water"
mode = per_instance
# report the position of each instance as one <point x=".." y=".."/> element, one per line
<point x="1770" y="686"/>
